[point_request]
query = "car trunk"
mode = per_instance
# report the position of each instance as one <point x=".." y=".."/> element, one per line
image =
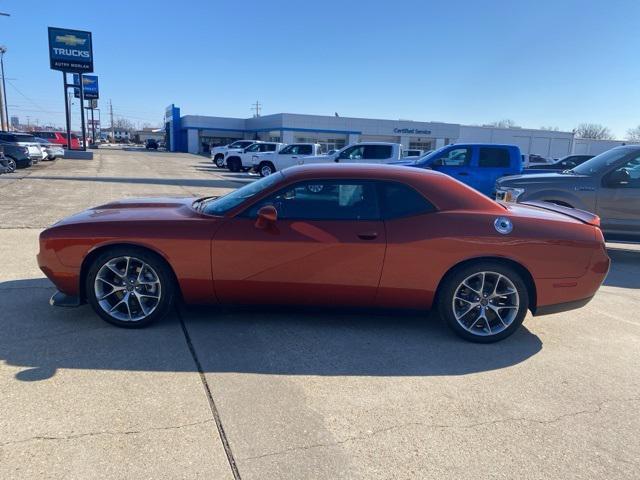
<point x="582" y="215"/>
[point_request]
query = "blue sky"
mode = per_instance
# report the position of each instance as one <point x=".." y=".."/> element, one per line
<point x="539" y="63"/>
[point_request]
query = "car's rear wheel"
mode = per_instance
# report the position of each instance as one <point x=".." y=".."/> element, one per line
<point x="266" y="168"/>
<point x="484" y="302"/>
<point x="219" y="161"/>
<point x="130" y="287"/>
<point x="11" y="163"/>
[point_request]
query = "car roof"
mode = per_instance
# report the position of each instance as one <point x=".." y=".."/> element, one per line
<point x="443" y="191"/>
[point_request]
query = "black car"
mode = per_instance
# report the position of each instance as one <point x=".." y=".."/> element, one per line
<point x="4" y="162"/>
<point x="151" y="144"/>
<point x="17" y="156"/>
<point x="565" y="163"/>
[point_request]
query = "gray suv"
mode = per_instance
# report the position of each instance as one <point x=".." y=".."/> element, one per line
<point x="607" y="185"/>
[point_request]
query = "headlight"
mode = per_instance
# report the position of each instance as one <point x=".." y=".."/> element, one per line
<point x="507" y="194"/>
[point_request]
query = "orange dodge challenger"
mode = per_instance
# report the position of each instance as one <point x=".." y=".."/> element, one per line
<point x="339" y="235"/>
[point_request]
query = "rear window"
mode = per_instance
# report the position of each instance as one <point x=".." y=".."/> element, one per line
<point x="377" y="152"/>
<point x="399" y="200"/>
<point x="494" y="157"/>
<point x="8" y="137"/>
<point x="305" y="150"/>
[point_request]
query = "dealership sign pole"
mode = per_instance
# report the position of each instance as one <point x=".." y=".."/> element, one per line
<point x="91" y="93"/>
<point x="71" y="51"/>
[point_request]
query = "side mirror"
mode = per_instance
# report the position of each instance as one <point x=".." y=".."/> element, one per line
<point x="267" y="216"/>
<point x="618" y="177"/>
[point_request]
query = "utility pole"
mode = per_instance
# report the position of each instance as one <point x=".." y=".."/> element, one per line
<point x="4" y="110"/>
<point x="256" y="106"/>
<point x="113" y="137"/>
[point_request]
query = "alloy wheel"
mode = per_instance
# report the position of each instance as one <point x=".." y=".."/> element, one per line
<point x="485" y="303"/>
<point x="127" y="289"/>
<point x="265" y="170"/>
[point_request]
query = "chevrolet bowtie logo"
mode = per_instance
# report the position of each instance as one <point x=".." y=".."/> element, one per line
<point x="70" y="40"/>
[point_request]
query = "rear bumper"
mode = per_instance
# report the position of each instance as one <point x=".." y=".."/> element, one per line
<point x="60" y="299"/>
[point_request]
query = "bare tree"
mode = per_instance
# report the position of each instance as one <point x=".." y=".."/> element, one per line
<point x="504" y="123"/>
<point x="550" y="129"/>
<point x="121" y="123"/>
<point x="593" y="130"/>
<point x="633" y="134"/>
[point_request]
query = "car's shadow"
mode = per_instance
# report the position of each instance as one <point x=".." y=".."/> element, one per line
<point x="625" y="268"/>
<point x="40" y="340"/>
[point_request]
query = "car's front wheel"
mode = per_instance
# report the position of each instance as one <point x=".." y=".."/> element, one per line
<point x="219" y="161"/>
<point x="11" y="163"/>
<point x="130" y="287"/>
<point x="484" y="302"/>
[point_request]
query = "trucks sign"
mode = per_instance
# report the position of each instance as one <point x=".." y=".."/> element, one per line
<point x="70" y="50"/>
<point x="90" y="83"/>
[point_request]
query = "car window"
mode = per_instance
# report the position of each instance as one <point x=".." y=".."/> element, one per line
<point x="493" y="157"/>
<point x="305" y="150"/>
<point x="288" y="150"/>
<point x="323" y="200"/>
<point x="399" y="200"/>
<point x="456" y="157"/>
<point x="268" y="147"/>
<point x="377" y="152"/>
<point x="630" y="170"/>
<point x="353" y="153"/>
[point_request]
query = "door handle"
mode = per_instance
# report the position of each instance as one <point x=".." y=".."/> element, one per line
<point x="294" y="157"/>
<point x="463" y="174"/>
<point x="368" y="235"/>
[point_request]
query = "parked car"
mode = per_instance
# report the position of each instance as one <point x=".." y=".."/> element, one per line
<point x="478" y="165"/>
<point x="607" y="185"/>
<point x="359" y="235"/>
<point x="564" y="163"/>
<point x="29" y="148"/>
<point x="534" y="160"/>
<point x="289" y="156"/>
<point x="218" y="153"/>
<point x="51" y="150"/>
<point x="151" y="144"/>
<point x="17" y="156"/>
<point x="59" y="137"/>
<point x="238" y="160"/>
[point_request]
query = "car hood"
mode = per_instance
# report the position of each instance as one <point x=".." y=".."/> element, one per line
<point x="135" y="210"/>
<point x="538" y="178"/>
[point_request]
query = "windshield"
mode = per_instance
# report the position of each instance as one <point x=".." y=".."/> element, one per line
<point x="601" y="161"/>
<point x="240" y="144"/>
<point x="429" y="156"/>
<point x="220" y="206"/>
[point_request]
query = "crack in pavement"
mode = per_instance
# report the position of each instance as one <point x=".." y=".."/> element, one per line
<point x="596" y="410"/>
<point x="103" y="432"/>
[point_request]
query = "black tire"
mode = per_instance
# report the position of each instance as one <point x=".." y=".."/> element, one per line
<point x="219" y="161"/>
<point x="161" y="269"/>
<point x="234" y="165"/>
<point x="11" y="163"/>
<point x="451" y="283"/>
<point x="265" y="167"/>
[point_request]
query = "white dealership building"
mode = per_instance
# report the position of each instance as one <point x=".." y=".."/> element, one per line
<point x="197" y="133"/>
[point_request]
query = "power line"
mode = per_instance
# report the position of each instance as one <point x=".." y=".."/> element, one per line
<point x="44" y="110"/>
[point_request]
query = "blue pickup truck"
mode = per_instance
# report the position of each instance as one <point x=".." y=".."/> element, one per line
<point x="478" y="165"/>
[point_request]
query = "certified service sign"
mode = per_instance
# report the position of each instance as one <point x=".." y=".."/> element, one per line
<point x="70" y="50"/>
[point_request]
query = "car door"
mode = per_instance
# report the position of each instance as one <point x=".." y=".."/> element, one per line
<point x="618" y="199"/>
<point x="353" y="154"/>
<point x="493" y="163"/>
<point x="288" y="157"/>
<point x="456" y="162"/>
<point x="326" y="247"/>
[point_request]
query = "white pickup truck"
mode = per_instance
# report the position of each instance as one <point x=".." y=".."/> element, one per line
<point x="218" y="153"/>
<point x="239" y="160"/>
<point x="293" y="154"/>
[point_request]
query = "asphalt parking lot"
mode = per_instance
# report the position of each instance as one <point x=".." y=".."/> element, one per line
<point x="274" y="393"/>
